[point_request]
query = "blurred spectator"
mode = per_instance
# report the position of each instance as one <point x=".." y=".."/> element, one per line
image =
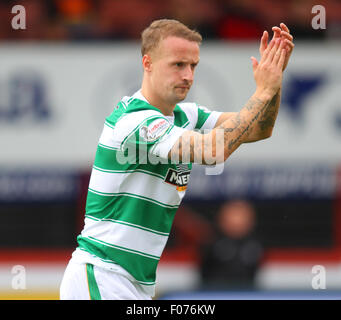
<point x="240" y="21"/>
<point x="272" y="12"/>
<point x="76" y="16"/>
<point x="333" y="20"/>
<point x="245" y="20"/>
<point x="190" y="230"/>
<point x="201" y="15"/>
<point x="125" y="19"/>
<point x="232" y="259"/>
<point x="5" y="21"/>
<point x="36" y="21"/>
<point x="41" y="24"/>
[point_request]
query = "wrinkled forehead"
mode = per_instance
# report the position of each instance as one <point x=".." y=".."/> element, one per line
<point x="178" y="49"/>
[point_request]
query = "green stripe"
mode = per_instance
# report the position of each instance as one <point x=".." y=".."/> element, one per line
<point x="123" y="104"/>
<point x="180" y="117"/>
<point x="202" y="117"/>
<point x="107" y="147"/>
<point x="135" y="104"/>
<point x="142" y="268"/>
<point x="115" y="246"/>
<point x="115" y="115"/>
<point x="107" y="159"/>
<point x="92" y="284"/>
<point x="131" y="210"/>
<point x="128" y="194"/>
<point x="185" y="125"/>
<point x="113" y="262"/>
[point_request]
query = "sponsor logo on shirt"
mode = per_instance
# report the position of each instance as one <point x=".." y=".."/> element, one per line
<point x="155" y="130"/>
<point x="178" y="178"/>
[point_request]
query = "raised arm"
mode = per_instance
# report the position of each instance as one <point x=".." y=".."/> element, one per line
<point x="217" y="145"/>
<point x="268" y="118"/>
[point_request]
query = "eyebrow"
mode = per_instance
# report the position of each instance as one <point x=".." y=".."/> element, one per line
<point x="185" y="61"/>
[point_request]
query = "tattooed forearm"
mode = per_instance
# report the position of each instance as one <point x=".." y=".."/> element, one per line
<point x="189" y="148"/>
<point x="268" y="118"/>
<point x="245" y="128"/>
<point x="216" y="146"/>
<point x="236" y="123"/>
<point x="244" y="132"/>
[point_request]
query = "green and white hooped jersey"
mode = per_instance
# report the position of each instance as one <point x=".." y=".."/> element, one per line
<point x="134" y="191"/>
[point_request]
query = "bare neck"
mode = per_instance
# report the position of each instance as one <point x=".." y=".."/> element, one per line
<point x="156" y="101"/>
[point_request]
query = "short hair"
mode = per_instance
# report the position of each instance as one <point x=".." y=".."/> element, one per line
<point x="163" y="28"/>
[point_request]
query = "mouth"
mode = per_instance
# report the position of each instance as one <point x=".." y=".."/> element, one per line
<point x="182" y="87"/>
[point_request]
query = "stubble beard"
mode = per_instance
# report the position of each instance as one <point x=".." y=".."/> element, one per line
<point x="178" y="97"/>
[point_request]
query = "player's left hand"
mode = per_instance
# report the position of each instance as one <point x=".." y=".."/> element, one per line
<point x="279" y="32"/>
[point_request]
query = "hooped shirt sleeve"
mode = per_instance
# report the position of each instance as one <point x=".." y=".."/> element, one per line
<point x="200" y="117"/>
<point x="206" y="118"/>
<point x="152" y="133"/>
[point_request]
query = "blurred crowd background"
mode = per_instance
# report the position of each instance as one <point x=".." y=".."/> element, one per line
<point x="104" y="20"/>
<point x="264" y="223"/>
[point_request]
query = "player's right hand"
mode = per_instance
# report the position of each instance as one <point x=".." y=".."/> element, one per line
<point x="268" y="72"/>
<point x="282" y="32"/>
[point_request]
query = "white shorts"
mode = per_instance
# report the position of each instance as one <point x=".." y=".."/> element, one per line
<point x="83" y="281"/>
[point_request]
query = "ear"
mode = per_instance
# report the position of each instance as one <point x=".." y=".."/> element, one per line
<point x="147" y="62"/>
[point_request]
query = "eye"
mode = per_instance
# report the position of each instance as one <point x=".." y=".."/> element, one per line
<point x="179" y="64"/>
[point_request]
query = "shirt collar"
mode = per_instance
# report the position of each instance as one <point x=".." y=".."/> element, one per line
<point x="138" y="95"/>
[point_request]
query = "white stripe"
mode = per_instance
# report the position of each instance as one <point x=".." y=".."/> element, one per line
<point x="107" y="138"/>
<point x="131" y="121"/>
<point x="138" y="197"/>
<point x="109" y="125"/>
<point x="126" y="171"/>
<point x="191" y="111"/>
<point x="82" y="256"/>
<point x="114" y="136"/>
<point x="125" y="236"/>
<point x="211" y="120"/>
<point x="138" y="95"/>
<point x="128" y="223"/>
<point x="137" y="183"/>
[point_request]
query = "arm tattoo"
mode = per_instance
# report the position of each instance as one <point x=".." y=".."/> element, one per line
<point x="235" y="130"/>
<point x="191" y="148"/>
<point x="242" y="127"/>
<point x="270" y="114"/>
<point x="185" y="150"/>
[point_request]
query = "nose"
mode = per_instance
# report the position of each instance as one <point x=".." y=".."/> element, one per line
<point x="188" y="74"/>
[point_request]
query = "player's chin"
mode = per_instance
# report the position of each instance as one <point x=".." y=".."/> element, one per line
<point x="181" y="93"/>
